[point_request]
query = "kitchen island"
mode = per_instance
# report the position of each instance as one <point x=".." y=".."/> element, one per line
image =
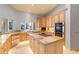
<point x="45" y="44"/>
<point x="39" y="43"/>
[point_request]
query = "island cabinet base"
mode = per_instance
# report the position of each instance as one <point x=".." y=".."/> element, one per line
<point x="50" y="48"/>
<point x="47" y="49"/>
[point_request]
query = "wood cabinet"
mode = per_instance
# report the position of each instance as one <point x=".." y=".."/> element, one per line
<point x="62" y="17"/>
<point x="31" y="42"/>
<point x="15" y="39"/>
<point x="48" y="23"/>
<point x="55" y="18"/>
<point x="23" y="36"/>
<point x="40" y="22"/>
<point x="2" y="50"/>
<point x="12" y="41"/>
<point x="47" y="49"/>
<point x="59" y="46"/>
<point x="50" y="48"/>
<point x="7" y="45"/>
<point x="34" y="45"/>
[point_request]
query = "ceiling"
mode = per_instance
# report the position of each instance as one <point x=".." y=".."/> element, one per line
<point x="34" y="8"/>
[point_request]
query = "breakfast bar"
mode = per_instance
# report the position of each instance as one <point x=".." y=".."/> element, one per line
<point x="45" y="45"/>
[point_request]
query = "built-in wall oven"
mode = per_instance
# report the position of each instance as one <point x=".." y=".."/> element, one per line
<point x="59" y="29"/>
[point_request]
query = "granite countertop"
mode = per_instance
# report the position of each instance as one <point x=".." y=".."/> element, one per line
<point x="43" y="39"/>
<point x="3" y="38"/>
<point x="51" y="39"/>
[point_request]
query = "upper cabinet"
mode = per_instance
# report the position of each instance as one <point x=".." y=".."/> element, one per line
<point x="49" y="21"/>
<point x="39" y="22"/>
<point x="56" y="18"/>
<point x="62" y="16"/>
<point x="59" y="17"/>
<point x="52" y="19"/>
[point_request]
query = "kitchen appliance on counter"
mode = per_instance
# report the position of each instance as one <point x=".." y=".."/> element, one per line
<point x="43" y="28"/>
<point x="44" y="33"/>
<point x="59" y="29"/>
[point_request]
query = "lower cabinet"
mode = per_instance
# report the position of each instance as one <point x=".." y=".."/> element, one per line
<point x="36" y="46"/>
<point x="12" y="41"/>
<point x="7" y="45"/>
<point x="2" y="50"/>
<point x="23" y="36"/>
<point x="59" y="46"/>
<point x="15" y="39"/>
<point x="32" y="44"/>
<point x="47" y="49"/>
<point x="51" y="48"/>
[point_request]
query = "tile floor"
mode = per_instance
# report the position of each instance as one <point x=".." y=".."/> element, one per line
<point x="24" y="48"/>
<point x="21" y="48"/>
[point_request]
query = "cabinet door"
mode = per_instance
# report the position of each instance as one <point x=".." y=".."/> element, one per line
<point x="56" y="18"/>
<point x="39" y="22"/>
<point x="42" y="49"/>
<point x="32" y="44"/>
<point x="36" y="46"/>
<point x="59" y="47"/>
<point x="2" y="50"/>
<point x="50" y="21"/>
<point x="53" y="21"/>
<point x="50" y="48"/>
<point x="7" y="45"/>
<point x="47" y="23"/>
<point x="15" y="39"/>
<point x="23" y="36"/>
<point x="62" y="16"/>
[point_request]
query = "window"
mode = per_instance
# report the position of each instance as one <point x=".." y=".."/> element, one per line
<point x="26" y="26"/>
<point x="10" y="26"/>
<point x="22" y="26"/>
